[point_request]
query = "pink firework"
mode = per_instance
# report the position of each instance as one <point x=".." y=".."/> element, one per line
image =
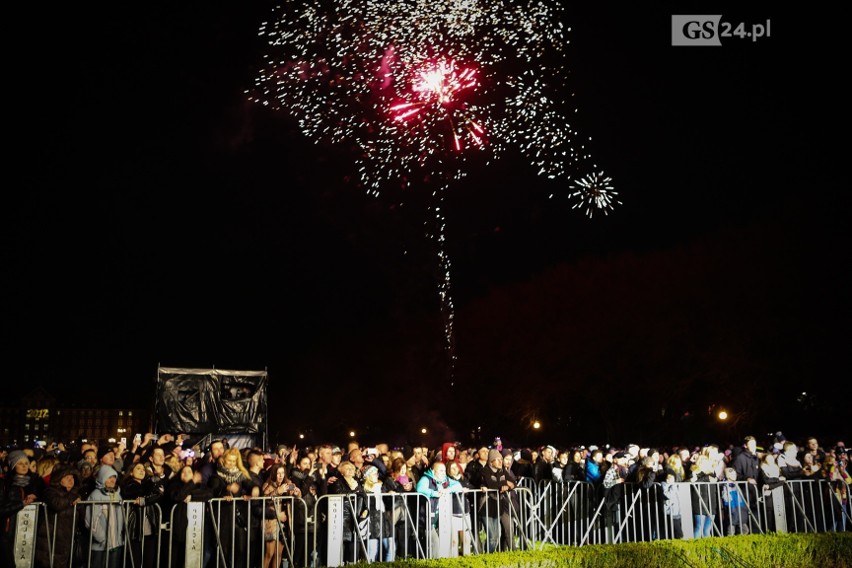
<point x="436" y="92"/>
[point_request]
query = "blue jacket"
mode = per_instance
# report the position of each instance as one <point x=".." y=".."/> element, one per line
<point x="430" y="487"/>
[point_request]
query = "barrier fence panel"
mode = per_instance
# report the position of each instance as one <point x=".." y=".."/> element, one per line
<point x="342" y="529"/>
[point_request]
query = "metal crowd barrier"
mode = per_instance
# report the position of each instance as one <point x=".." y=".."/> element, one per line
<point x="336" y="530"/>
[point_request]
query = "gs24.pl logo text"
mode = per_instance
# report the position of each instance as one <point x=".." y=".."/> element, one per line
<point x="711" y="30"/>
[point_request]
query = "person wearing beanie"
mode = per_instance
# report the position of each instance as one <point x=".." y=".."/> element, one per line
<point x="496" y="508"/>
<point x="106" y="456"/>
<point x="21" y="488"/>
<point x="106" y="523"/>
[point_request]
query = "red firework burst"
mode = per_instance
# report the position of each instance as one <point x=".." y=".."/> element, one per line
<point x="437" y="91"/>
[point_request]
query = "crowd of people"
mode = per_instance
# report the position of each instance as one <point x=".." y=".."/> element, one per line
<point x="169" y="470"/>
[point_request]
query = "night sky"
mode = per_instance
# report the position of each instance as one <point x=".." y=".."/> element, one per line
<point x="155" y="216"/>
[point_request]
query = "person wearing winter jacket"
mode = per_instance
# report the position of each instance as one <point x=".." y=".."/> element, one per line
<point x="57" y="530"/>
<point x="20" y="488"/>
<point x="105" y="520"/>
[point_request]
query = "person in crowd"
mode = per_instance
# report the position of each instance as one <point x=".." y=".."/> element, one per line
<point x="143" y="515"/>
<point x="355" y="512"/>
<point x="613" y="485"/>
<point x="747" y="466"/>
<point x="813" y="448"/>
<point x="705" y="505"/>
<point x="652" y="498"/>
<point x="495" y="507"/>
<point x="304" y="526"/>
<point x="839" y="481"/>
<point x="45" y="466"/>
<point x="373" y="457"/>
<point x="87" y="465"/>
<point x="105" y="456"/>
<point x="687" y="457"/>
<point x="172" y="456"/>
<point x="435" y="484"/>
<point x="276" y="513"/>
<point x="514" y="499"/>
<point x="182" y="489"/>
<point x="734" y="503"/>
<point x="211" y="461"/>
<point x="56" y="532"/>
<point x="522" y="465"/>
<point x="20" y="489"/>
<point x="449" y="452"/>
<point x="402" y="506"/>
<point x="356" y="458"/>
<point x="673" y="472"/>
<point x="769" y="478"/>
<point x="462" y="523"/>
<point x="810" y="467"/>
<point x="324" y="468"/>
<point x="559" y="465"/>
<point x="106" y="524"/>
<point x="119" y="449"/>
<point x="794" y="495"/>
<point x="634" y="459"/>
<point x="473" y="471"/>
<point x="399" y="474"/>
<point x="232" y="484"/>
<point x="254" y="461"/>
<point x="543" y="467"/>
<point x="156" y="467"/>
<point x="594" y="475"/>
<point x="418" y="463"/>
<point x="379" y="544"/>
<point x="788" y="461"/>
<point x="573" y="470"/>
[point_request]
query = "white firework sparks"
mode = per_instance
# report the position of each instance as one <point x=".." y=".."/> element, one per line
<point x="418" y="86"/>
<point x="343" y="68"/>
<point x="594" y="191"/>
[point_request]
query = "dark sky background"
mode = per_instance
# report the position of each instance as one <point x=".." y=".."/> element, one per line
<point x="155" y="217"/>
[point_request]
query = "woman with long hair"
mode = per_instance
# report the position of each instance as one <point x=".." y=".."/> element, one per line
<point x="673" y="475"/>
<point x="232" y="483"/>
<point x="143" y="517"/>
<point x="276" y="513"/>
<point x="769" y="478"/>
<point x="379" y="545"/>
<point x="705" y="505"/>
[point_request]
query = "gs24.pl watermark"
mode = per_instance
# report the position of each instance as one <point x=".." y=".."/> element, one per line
<point x="711" y="30"/>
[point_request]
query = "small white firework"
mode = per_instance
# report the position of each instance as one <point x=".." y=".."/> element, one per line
<point x="594" y="191"/>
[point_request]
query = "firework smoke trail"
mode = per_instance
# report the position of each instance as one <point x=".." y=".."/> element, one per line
<point x="417" y="87"/>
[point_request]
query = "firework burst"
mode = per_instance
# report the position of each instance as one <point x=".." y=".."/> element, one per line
<point x="594" y="192"/>
<point x="417" y="87"/>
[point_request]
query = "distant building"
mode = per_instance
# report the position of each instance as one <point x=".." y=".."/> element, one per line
<point x="40" y="417"/>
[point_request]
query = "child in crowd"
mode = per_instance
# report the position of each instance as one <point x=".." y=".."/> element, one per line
<point x="734" y="504"/>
